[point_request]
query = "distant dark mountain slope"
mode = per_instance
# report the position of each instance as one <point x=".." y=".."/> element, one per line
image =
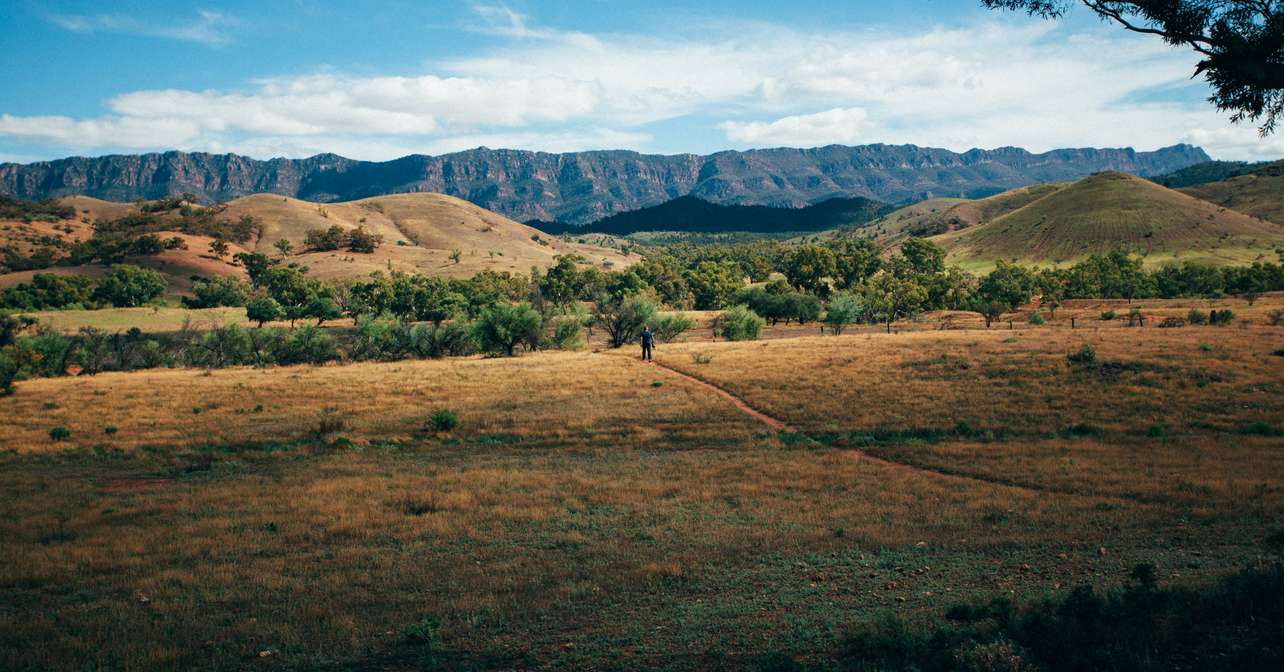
<point x="692" y="214"/>
<point x="1203" y="173"/>
<point x="586" y="186"/>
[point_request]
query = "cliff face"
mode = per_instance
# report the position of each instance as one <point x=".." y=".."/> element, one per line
<point x="585" y="186"/>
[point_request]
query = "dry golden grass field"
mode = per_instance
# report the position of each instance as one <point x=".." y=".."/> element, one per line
<point x="594" y="512"/>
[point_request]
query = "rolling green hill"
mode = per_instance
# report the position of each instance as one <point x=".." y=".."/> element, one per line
<point x="1259" y="192"/>
<point x="1110" y="211"/>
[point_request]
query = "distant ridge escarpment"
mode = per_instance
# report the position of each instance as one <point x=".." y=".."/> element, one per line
<point x="582" y="187"/>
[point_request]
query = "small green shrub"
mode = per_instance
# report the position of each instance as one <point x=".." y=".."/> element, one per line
<point x="308" y="345"/>
<point x="425" y="633"/>
<point x="568" y="333"/>
<point x="738" y="323"/>
<point x="110" y="430"/>
<point x="443" y="420"/>
<point x="1086" y="355"/>
<point x="1036" y="319"/>
<point x="454" y="339"/>
<point x="1221" y="317"/>
<point x="60" y="433"/>
<point x="1197" y="316"/>
<point x="701" y="358"/>
<point x="1108" y="315"/>
<point x="1276" y="317"/>
<point x="8" y="371"/>
<point x="669" y="326"/>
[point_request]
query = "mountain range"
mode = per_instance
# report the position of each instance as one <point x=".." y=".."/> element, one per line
<point x="582" y="187"/>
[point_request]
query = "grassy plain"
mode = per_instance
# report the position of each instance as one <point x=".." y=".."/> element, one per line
<point x="593" y="512"/>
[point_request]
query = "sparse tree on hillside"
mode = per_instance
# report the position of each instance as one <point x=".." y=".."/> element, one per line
<point x="264" y="309"/>
<point x="219" y="248"/>
<point x="1240" y="42"/>
<point x="284" y="246"/>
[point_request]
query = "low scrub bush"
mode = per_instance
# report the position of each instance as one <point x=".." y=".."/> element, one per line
<point x="59" y="433"/>
<point x="568" y="333"/>
<point x="701" y="358"/>
<point x="1036" y="319"/>
<point x="453" y="339"/>
<point x="669" y="326"/>
<point x="8" y="370"/>
<point x="1221" y="317"/>
<point x="738" y="323"/>
<point x="1276" y="317"/>
<point x="1108" y="315"/>
<point x="308" y="345"/>
<point x="1086" y="355"/>
<point x="442" y="420"/>
<point x="844" y="309"/>
<point x="383" y="339"/>
<point x="231" y="345"/>
<point x="1172" y="323"/>
<point x="1197" y="316"/>
<point x="48" y="353"/>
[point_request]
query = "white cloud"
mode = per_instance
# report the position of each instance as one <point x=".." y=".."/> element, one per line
<point x="207" y="27"/>
<point x="131" y="133"/>
<point x="1005" y="82"/>
<point x="383" y="149"/>
<point x="837" y="126"/>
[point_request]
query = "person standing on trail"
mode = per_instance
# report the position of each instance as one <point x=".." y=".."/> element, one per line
<point x="648" y="341"/>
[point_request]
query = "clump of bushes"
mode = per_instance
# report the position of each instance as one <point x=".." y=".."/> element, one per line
<point x="59" y="433"/>
<point x="844" y="309"/>
<point x="568" y="333"/>
<point x="335" y="237"/>
<point x="738" y="323"/>
<point x="1221" y="317"/>
<point x="1036" y="319"/>
<point x="1197" y="316"/>
<point x="669" y="326"/>
<point x="1085" y="356"/>
<point x="503" y="327"/>
<point x="442" y="420"/>
<point x="1108" y="315"/>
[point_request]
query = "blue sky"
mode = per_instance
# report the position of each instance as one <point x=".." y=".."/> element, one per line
<point x="376" y="80"/>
